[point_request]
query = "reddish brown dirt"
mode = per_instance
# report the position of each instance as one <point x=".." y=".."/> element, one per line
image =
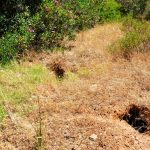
<point x="74" y="109"/>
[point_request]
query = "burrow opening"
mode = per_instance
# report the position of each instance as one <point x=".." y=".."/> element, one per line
<point x="138" y="117"/>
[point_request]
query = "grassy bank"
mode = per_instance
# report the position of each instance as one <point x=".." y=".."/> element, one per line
<point x="18" y="83"/>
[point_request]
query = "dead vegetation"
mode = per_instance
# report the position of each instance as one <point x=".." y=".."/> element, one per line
<point x="89" y="101"/>
<point x="57" y="67"/>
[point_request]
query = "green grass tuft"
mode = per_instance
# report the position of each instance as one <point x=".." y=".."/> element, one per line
<point x="2" y="113"/>
<point x="136" y="38"/>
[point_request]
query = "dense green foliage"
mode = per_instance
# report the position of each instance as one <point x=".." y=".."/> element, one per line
<point x="135" y="7"/>
<point x="10" y="8"/>
<point x="136" y="38"/>
<point x="45" y="23"/>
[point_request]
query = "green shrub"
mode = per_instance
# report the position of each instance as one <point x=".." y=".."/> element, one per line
<point x="135" y="7"/>
<point x="54" y="23"/>
<point x="136" y="38"/>
<point x="10" y="8"/>
<point x="110" y="10"/>
<point x="46" y="23"/>
<point x="16" y="40"/>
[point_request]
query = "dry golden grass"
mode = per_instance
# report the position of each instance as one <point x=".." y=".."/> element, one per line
<point x="90" y="98"/>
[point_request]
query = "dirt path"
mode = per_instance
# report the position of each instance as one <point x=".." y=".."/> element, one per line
<point x="89" y="100"/>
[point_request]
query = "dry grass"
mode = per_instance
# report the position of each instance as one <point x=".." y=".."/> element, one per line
<point x="89" y="99"/>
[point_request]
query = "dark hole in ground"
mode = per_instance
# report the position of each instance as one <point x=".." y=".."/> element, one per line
<point x="58" y="69"/>
<point x="138" y="117"/>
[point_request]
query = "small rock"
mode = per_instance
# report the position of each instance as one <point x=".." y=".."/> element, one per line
<point x="93" y="88"/>
<point x="93" y="137"/>
<point x="67" y="135"/>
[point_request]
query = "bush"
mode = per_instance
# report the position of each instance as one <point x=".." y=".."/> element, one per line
<point x="46" y="23"/>
<point x="135" y="7"/>
<point x="16" y="40"/>
<point x="110" y="10"/>
<point x="57" y="21"/>
<point x="10" y="8"/>
<point x="137" y="38"/>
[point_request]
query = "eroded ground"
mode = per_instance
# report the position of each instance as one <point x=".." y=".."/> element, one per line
<point x="89" y="98"/>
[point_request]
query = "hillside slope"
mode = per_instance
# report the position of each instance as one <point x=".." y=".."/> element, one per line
<point x="95" y="91"/>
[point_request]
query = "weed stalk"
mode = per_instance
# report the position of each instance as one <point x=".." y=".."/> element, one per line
<point x="39" y="131"/>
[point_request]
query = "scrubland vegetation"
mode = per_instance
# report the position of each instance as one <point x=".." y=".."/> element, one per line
<point x="41" y="39"/>
<point x="44" y="24"/>
<point x="136" y="38"/>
